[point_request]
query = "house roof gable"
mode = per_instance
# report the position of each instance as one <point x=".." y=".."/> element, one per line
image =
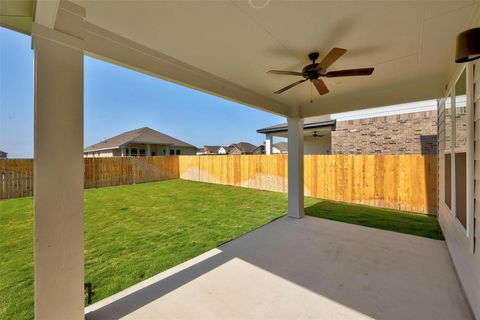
<point x="244" y="146"/>
<point x="282" y="146"/>
<point x="143" y="135"/>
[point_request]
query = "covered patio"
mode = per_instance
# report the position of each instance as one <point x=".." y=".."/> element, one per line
<point x="291" y="268"/>
<point x="302" y="269"/>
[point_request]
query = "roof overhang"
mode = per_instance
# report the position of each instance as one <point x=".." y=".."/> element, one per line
<point x="17" y="15"/>
<point x="306" y="126"/>
<point x="225" y="47"/>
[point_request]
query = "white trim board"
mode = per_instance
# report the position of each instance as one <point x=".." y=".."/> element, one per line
<point x="420" y="106"/>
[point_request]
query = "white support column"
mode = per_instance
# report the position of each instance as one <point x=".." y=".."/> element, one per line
<point x="268" y="144"/>
<point x="148" y="151"/>
<point x="59" y="175"/>
<point x="295" y="168"/>
<point x="123" y="152"/>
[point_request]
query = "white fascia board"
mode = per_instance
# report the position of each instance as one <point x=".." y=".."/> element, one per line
<point x="420" y="106"/>
<point x="101" y="149"/>
<point x="46" y="12"/>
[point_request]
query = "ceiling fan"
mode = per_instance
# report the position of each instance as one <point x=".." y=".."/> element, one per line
<point x="315" y="71"/>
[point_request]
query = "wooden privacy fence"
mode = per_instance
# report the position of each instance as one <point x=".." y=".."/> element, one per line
<point x="397" y="182"/>
<point x="16" y="176"/>
<point x="106" y="172"/>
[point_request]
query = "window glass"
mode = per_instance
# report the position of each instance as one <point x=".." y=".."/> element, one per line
<point x="460" y="149"/>
<point x="134" y="151"/>
<point x="448" y="180"/>
<point x="172" y="152"/>
<point x="177" y="152"/>
<point x="441" y="125"/>
<point x="448" y="150"/>
<point x="448" y="124"/>
<point x="142" y="152"/>
<point x="461" y="113"/>
<point x="461" y="187"/>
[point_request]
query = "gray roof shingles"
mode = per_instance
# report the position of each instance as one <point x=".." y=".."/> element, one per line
<point x="282" y="146"/>
<point x="244" y="146"/>
<point x="143" y="135"/>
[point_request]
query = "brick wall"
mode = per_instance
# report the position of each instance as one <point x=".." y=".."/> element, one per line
<point x="411" y="133"/>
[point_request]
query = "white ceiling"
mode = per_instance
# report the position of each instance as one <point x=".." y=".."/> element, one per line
<point x="410" y="43"/>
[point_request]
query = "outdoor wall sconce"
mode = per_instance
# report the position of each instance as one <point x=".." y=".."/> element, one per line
<point x="468" y="46"/>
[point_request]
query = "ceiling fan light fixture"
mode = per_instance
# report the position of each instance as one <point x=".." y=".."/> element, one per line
<point x="468" y="46"/>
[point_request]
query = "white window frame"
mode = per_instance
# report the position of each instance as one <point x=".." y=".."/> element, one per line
<point x="469" y="149"/>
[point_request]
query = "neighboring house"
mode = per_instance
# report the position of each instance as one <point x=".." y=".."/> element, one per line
<point x="223" y="150"/>
<point x="241" y="148"/>
<point x="259" y="150"/>
<point x="213" y="150"/>
<point x="400" y="129"/>
<point x="208" y="150"/>
<point x="140" y="142"/>
<point x="278" y="148"/>
<point x="3" y="155"/>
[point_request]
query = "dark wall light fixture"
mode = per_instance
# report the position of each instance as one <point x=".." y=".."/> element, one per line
<point x="468" y="46"/>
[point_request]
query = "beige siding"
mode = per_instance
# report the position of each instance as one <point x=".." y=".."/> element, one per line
<point x="318" y="145"/>
<point x="462" y="243"/>
<point x="188" y="151"/>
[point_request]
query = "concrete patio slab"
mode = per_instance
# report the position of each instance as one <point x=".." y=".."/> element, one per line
<point x="302" y="269"/>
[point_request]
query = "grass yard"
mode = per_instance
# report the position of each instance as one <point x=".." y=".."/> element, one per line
<point x="393" y="220"/>
<point x="135" y="232"/>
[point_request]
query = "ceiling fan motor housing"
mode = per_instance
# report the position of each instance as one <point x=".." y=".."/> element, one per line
<point x="311" y="70"/>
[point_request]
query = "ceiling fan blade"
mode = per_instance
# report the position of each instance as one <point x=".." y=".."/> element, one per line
<point x="331" y="57"/>
<point x="350" y="72"/>
<point x="289" y="73"/>
<point x="289" y="86"/>
<point x="321" y="86"/>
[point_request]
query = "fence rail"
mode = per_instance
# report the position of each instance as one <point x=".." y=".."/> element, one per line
<point x="397" y="182"/>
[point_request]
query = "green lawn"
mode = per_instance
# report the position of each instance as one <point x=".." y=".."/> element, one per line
<point x="386" y="219"/>
<point x="134" y="232"/>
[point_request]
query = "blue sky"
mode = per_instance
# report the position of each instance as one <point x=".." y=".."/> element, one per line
<point x="117" y="100"/>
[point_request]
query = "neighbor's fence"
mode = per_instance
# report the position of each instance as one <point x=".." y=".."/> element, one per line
<point x="106" y="172"/>
<point x="16" y="176"/>
<point x="397" y="182"/>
